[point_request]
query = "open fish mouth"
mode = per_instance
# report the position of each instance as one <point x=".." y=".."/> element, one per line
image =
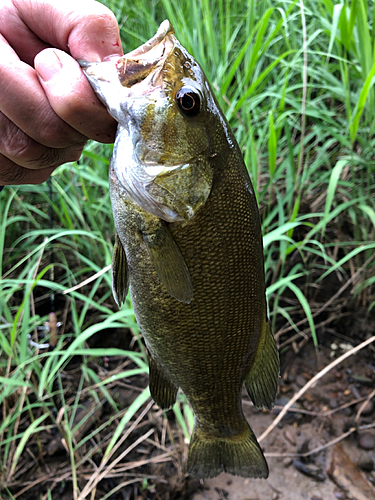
<point x="163" y="31"/>
<point x="139" y="63"/>
<point x="135" y="66"/>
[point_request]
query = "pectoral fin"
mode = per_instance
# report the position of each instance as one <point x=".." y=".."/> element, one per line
<point x="261" y="382"/>
<point x="169" y="263"/>
<point x="163" y="392"/>
<point x="120" y="274"/>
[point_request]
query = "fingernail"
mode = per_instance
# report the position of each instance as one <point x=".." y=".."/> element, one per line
<point x="48" y="65"/>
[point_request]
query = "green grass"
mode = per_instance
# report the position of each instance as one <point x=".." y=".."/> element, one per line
<point x="295" y="80"/>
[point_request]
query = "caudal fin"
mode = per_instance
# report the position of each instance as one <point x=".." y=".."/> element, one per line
<point x="239" y="454"/>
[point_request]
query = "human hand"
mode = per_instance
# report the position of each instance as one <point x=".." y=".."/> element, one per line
<point x="47" y="107"/>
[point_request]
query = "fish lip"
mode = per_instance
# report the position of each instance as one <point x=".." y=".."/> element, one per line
<point x="87" y="64"/>
<point x="101" y="71"/>
<point x="163" y="31"/>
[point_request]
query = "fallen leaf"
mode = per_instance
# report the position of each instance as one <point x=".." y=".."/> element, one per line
<point x="347" y="476"/>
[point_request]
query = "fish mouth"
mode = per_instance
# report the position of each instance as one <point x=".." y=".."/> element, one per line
<point x="135" y="66"/>
<point x="163" y="31"/>
<point x="109" y="77"/>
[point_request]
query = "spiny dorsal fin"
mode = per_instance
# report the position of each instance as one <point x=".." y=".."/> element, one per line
<point x="120" y="273"/>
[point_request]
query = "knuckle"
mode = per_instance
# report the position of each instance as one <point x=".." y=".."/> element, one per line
<point x="53" y="157"/>
<point x="14" y="142"/>
<point x="51" y="138"/>
<point x="17" y="147"/>
<point x="75" y="155"/>
<point x="10" y="173"/>
<point x="48" y="158"/>
<point x="13" y="174"/>
<point x="54" y="132"/>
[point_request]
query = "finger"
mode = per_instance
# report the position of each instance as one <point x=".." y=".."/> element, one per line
<point x="19" y="148"/>
<point x="12" y="174"/>
<point x="18" y="34"/>
<point x="87" y="29"/>
<point x="23" y="101"/>
<point x="71" y="96"/>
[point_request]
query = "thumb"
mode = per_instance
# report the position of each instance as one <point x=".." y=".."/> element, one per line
<point x="71" y="97"/>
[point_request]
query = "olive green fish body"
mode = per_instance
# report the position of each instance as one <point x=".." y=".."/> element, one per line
<point x="190" y="244"/>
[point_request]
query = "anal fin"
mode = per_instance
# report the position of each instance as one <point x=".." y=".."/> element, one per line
<point x="162" y="390"/>
<point x="261" y="382"/>
<point x="169" y="263"/>
<point x="120" y="273"/>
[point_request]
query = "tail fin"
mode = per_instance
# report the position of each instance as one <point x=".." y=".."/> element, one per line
<point x="239" y="454"/>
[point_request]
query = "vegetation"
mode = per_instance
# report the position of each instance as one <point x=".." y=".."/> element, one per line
<point x="295" y="80"/>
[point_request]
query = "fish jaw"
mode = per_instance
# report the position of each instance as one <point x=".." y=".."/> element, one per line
<point x="111" y="77"/>
<point x="105" y="83"/>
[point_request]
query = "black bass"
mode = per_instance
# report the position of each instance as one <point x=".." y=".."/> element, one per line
<point x="190" y="245"/>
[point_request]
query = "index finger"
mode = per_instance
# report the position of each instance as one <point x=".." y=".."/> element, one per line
<point x="86" y="29"/>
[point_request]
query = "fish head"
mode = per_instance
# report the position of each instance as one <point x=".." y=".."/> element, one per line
<point x="167" y="117"/>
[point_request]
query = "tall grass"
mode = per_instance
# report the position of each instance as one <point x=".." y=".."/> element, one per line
<point x="295" y="80"/>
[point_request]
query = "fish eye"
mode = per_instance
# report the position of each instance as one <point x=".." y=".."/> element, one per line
<point x="188" y="101"/>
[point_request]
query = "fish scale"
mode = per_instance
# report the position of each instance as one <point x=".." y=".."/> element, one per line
<point x="190" y="244"/>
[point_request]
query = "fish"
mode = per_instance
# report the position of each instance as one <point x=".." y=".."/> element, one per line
<point x="189" y="247"/>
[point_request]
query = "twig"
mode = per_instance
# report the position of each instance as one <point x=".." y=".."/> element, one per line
<point x="365" y="427"/>
<point x="363" y="405"/>
<point x="122" y="485"/>
<point x="99" y="477"/>
<point x="307" y="330"/>
<point x="342" y="407"/>
<point x="32" y="484"/>
<point x="92" y="278"/>
<point x="99" y="473"/>
<point x="321" y="447"/>
<point x="313" y="413"/>
<point x="121" y="469"/>
<point x="315" y="450"/>
<point x="312" y="382"/>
